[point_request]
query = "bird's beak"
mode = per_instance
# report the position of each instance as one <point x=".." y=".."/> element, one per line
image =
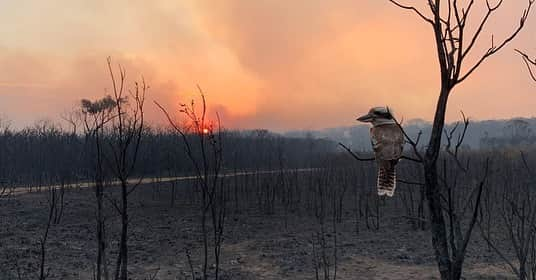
<point x="365" y="118"/>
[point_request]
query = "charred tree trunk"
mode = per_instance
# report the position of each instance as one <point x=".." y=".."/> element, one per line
<point x="99" y="195"/>
<point x="433" y="191"/>
<point x="123" y="251"/>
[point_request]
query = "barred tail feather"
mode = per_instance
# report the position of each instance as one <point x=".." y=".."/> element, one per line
<point x="387" y="178"/>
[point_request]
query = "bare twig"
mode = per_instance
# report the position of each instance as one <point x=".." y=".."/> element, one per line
<point x="530" y="63"/>
<point x="459" y="141"/>
<point x="354" y="155"/>
<point x="409" y="182"/>
<point x="414" y="9"/>
<point x="414" y="143"/>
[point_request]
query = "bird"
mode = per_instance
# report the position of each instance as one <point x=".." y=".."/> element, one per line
<point x="387" y="139"/>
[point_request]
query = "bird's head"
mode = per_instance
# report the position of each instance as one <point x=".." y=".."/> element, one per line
<point x="378" y="116"/>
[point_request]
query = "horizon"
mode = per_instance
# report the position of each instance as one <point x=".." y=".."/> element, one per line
<point x="5" y="121"/>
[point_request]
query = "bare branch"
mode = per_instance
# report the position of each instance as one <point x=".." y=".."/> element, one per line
<point x="459" y="141"/>
<point x="480" y="27"/>
<point x="354" y="154"/>
<point x="409" y="182"/>
<point x="472" y="223"/>
<point x="414" y="143"/>
<point x="529" y="63"/>
<point x="411" y="8"/>
<point x="525" y="164"/>
<point x="494" y="49"/>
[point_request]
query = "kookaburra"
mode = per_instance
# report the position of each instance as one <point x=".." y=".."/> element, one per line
<point x="387" y="141"/>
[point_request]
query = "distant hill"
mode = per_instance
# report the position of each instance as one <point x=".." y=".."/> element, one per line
<point x="480" y="134"/>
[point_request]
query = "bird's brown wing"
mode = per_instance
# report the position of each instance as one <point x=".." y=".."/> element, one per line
<point x="388" y="143"/>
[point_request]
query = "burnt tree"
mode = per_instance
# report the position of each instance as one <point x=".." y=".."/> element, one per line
<point x="95" y="115"/>
<point x="126" y="132"/>
<point x="452" y="22"/>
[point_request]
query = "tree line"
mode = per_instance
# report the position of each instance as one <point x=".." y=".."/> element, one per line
<point x="46" y="153"/>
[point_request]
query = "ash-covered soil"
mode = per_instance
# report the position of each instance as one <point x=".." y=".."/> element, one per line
<point x="257" y="245"/>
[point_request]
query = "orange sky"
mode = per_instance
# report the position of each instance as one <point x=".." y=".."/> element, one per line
<point x="274" y="64"/>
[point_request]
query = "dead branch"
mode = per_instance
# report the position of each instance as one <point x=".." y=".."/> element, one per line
<point x="354" y="155"/>
<point x="530" y="63"/>
<point x="414" y="143"/>
<point x="453" y="152"/>
<point x="415" y="10"/>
